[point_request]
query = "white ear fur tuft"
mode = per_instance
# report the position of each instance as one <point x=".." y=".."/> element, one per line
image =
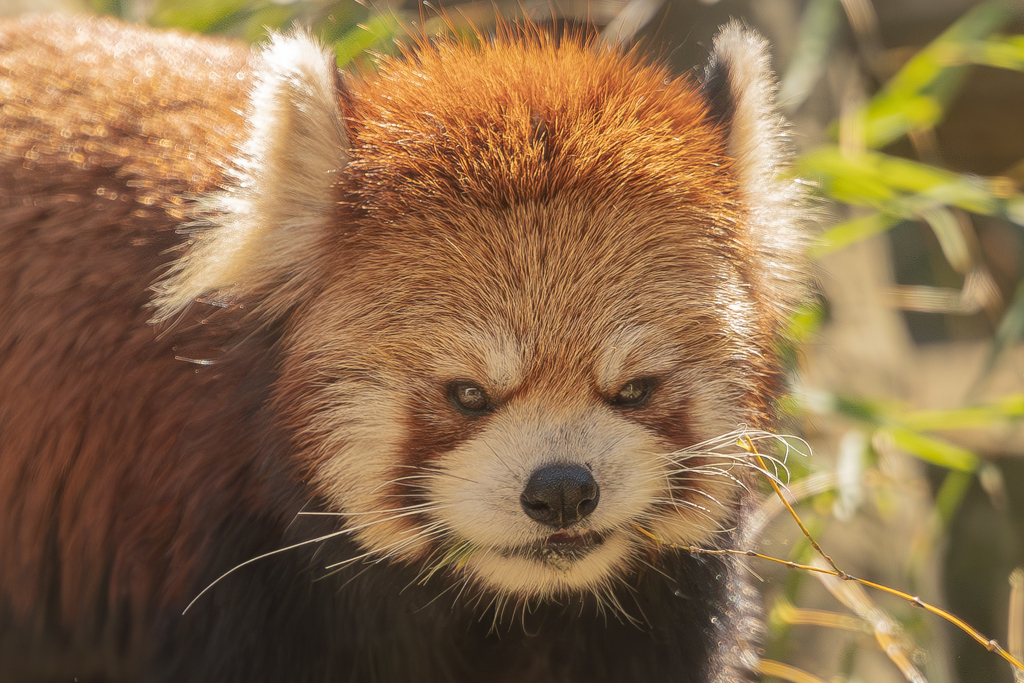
<point x="740" y="86"/>
<point x="258" y="231"/>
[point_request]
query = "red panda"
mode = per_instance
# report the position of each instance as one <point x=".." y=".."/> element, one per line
<point x="408" y="376"/>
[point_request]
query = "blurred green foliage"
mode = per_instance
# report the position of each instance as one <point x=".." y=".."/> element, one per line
<point x="351" y="28"/>
<point x="895" y="189"/>
<point x="883" y="190"/>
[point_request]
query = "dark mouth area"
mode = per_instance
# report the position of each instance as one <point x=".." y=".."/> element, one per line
<point x="563" y="539"/>
<point x="562" y="547"/>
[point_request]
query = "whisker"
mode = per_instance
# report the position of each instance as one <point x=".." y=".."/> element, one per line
<point x="686" y="507"/>
<point x="412" y="508"/>
<point x="318" y="539"/>
<point x="381" y="554"/>
<point x="403" y="512"/>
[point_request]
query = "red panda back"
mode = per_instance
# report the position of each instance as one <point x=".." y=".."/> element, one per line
<point x="94" y="403"/>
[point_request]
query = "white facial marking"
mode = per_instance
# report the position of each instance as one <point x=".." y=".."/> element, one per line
<point x="633" y="352"/>
<point x="466" y="515"/>
<point x="495" y="359"/>
<point x="359" y="440"/>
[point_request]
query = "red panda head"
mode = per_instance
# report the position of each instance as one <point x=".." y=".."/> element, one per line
<point x="535" y="287"/>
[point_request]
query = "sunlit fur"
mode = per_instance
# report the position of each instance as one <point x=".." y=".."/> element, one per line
<point x="548" y="296"/>
<point x="237" y="290"/>
<point x="268" y="216"/>
<point x="688" y="491"/>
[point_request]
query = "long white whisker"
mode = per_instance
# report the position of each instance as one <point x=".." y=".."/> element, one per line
<point x="408" y="509"/>
<point x="404" y="512"/>
<point x="428" y="532"/>
<point x="318" y="539"/>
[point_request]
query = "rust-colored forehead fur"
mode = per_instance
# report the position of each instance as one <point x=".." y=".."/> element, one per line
<point x="528" y="119"/>
<point x="552" y="185"/>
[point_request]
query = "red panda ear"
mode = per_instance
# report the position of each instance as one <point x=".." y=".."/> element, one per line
<point x="740" y="89"/>
<point x="257" y="232"/>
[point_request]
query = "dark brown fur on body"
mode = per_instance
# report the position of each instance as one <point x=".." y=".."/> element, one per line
<point x="545" y="223"/>
<point x="104" y="433"/>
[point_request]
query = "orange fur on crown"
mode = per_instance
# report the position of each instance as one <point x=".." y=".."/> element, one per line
<point x="525" y="121"/>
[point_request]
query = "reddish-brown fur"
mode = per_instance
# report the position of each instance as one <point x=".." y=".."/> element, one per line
<point x="545" y="141"/>
<point x="93" y="193"/>
<point x="556" y="194"/>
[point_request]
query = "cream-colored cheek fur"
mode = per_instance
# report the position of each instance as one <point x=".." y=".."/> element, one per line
<point x="358" y="437"/>
<point x="478" y="487"/>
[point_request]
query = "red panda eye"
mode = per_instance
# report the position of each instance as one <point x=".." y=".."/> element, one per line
<point x="634" y="393"/>
<point x="469" y="397"/>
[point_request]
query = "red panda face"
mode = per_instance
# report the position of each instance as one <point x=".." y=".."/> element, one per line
<point x="512" y="403"/>
<point x="540" y="323"/>
<point x="530" y="292"/>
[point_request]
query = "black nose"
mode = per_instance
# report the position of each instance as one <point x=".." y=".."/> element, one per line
<point x="560" y="495"/>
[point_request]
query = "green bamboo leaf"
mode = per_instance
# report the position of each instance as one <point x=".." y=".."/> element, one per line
<point x="206" y="17"/>
<point x="1015" y="209"/>
<point x="338" y="18"/>
<point x="848" y="232"/>
<point x="861" y="409"/>
<point x="819" y="26"/>
<point x="1001" y="53"/>
<point x="933" y="450"/>
<point x="254" y="27"/>
<point x="946" y="226"/>
<point x="975" y="417"/>
<point x="951" y="494"/>
<point x="805" y="321"/>
<point x="378" y="30"/>
<point x="917" y="96"/>
<point x="887" y="174"/>
<point x="891" y="118"/>
<point x="904" y="188"/>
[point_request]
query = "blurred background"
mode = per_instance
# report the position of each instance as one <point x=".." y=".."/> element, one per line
<point x="908" y="364"/>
